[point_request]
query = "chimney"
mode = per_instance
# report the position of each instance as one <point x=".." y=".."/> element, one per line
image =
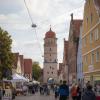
<point x="71" y="16"/>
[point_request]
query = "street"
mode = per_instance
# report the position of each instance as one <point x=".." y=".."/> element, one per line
<point x="37" y="96"/>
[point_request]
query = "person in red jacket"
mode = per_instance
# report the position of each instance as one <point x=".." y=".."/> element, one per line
<point x="74" y="92"/>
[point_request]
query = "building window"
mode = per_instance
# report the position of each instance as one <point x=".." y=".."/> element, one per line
<point x="92" y="58"/>
<point x="50" y="54"/>
<point x="96" y="34"/>
<point x="50" y="67"/>
<point x="84" y="42"/>
<point x="91" y="37"/>
<point x="85" y="59"/>
<point x="52" y="72"/>
<point x="97" y="56"/>
<point x="47" y="72"/>
<point x="91" y="17"/>
<point x="87" y="19"/>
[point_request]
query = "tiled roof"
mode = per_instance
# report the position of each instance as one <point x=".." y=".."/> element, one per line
<point x="28" y="66"/>
<point x="50" y="34"/>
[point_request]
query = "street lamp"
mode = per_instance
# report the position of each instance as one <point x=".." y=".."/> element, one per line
<point x="34" y="25"/>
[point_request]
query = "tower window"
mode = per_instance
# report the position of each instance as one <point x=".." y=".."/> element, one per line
<point x="50" y="49"/>
<point x="52" y="68"/>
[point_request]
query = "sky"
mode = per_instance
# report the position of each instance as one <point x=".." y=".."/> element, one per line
<point x="29" y="41"/>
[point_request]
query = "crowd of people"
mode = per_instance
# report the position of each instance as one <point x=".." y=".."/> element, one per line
<point x="75" y="92"/>
<point x="62" y="91"/>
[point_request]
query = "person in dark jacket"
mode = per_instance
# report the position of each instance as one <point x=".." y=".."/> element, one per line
<point x="89" y="94"/>
<point x="79" y="92"/>
<point x="63" y="91"/>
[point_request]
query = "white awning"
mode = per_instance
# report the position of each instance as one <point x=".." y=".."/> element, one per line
<point x="17" y="77"/>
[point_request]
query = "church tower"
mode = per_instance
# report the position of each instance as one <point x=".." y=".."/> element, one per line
<point x="50" y="57"/>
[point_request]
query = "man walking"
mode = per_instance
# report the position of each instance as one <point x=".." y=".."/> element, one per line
<point x="89" y="94"/>
<point x="63" y="91"/>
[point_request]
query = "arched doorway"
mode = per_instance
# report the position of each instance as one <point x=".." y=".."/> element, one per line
<point x="50" y="81"/>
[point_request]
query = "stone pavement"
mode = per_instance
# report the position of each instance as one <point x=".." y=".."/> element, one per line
<point x="36" y="96"/>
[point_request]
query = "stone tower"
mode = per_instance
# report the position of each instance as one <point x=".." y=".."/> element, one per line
<point x="50" y="57"/>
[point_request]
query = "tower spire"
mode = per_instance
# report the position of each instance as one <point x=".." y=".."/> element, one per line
<point x="50" y="27"/>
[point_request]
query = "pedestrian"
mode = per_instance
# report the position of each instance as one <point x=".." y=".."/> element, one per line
<point x="79" y="92"/>
<point x="89" y="94"/>
<point x="13" y="93"/>
<point x="0" y="93"/>
<point x="25" y="90"/>
<point x="74" y="91"/>
<point x="56" y="91"/>
<point x="63" y="91"/>
<point x="33" y="89"/>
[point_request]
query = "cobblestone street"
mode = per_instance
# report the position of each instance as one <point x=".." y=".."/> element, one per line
<point x="37" y="96"/>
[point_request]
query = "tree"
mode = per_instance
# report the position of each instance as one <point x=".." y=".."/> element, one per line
<point x="6" y="56"/>
<point x="36" y="71"/>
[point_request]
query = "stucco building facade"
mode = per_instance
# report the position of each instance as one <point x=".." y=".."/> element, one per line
<point x="91" y="41"/>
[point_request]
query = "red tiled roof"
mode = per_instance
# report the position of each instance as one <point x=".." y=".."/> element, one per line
<point x="76" y="27"/>
<point x="28" y="66"/>
<point x="50" y="34"/>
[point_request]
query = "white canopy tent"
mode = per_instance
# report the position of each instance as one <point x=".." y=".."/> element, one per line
<point x="36" y="82"/>
<point x="16" y="78"/>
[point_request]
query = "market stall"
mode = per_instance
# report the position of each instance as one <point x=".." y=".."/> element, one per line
<point x="18" y="81"/>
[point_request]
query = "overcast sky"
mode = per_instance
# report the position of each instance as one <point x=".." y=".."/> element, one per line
<point x="29" y="41"/>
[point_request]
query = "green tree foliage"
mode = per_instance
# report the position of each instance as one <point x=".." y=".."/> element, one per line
<point x="36" y="71"/>
<point x="6" y="56"/>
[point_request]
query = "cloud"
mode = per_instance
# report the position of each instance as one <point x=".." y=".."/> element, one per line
<point x="15" y="19"/>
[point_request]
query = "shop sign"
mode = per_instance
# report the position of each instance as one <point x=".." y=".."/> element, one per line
<point x="90" y="68"/>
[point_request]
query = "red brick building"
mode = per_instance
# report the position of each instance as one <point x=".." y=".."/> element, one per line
<point x="28" y="68"/>
<point x="73" y="47"/>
